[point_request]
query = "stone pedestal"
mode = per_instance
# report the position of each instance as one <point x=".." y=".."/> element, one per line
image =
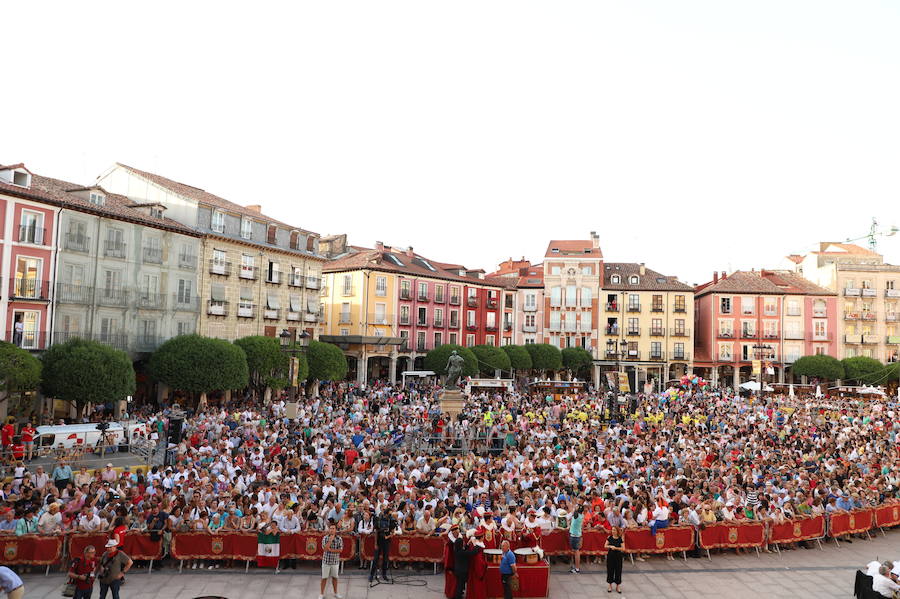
<point x="452" y="402"/>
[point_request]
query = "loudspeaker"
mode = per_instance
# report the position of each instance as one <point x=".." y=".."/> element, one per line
<point x="175" y="429"/>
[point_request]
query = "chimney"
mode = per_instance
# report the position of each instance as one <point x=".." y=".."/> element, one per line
<point x="715" y="277"/>
<point x="643" y="269"/>
<point x="595" y="240"/>
<point x="724" y="275"/>
<point x="409" y="252"/>
<point x="254" y="208"/>
<point x="379" y="246"/>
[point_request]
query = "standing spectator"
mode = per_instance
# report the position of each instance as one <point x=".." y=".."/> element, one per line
<point x="508" y="569"/>
<point x="61" y="475"/>
<point x="27" y="524"/>
<point x="332" y="545"/>
<point x="11" y="584"/>
<point x="83" y="571"/>
<point x="7" y="433"/>
<point x="111" y="569"/>
<point x="575" y="527"/>
<point x="614" y="560"/>
<point x="28" y="433"/>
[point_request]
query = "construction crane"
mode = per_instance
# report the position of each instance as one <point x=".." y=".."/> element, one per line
<point x="874" y="233"/>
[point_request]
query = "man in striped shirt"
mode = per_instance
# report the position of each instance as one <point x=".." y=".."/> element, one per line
<point x="332" y="545"/>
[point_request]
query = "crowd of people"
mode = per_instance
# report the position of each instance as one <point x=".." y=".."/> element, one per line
<point x="513" y="465"/>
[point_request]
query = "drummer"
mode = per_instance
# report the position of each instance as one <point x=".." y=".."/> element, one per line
<point x="489" y="528"/>
<point x="531" y="536"/>
<point x="510" y="526"/>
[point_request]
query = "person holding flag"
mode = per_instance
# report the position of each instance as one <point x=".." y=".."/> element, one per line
<point x="268" y="546"/>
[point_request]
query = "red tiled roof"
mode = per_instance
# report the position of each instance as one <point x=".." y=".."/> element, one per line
<point x="415" y="265"/>
<point x="740" y="282"/>
<point x="572" y="247"/>
<point x="649" y="281"/>
<point x="846" y="248"/>
<point x="795" y="258"/>
<point x="794" y="284"/>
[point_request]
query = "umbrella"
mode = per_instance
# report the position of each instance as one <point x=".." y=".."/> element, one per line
<point x="750" y="385"/>
<point x="791" y="391"/>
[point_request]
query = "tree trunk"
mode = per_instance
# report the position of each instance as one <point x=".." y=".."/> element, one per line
<point x="202" y="403"/>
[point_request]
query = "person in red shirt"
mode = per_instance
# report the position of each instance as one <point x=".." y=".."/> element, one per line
<point x="350" y="455"/>
<point x="82" y="572"/>
<point x="28" y="433"/>
<point x="8" y="432"/>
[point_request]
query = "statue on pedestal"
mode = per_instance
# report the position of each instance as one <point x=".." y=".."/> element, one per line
<point x="454" y="370"/>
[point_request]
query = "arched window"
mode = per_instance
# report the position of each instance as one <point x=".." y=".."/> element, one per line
<point x="633" y="280"/>
<point x="615" y="279"/>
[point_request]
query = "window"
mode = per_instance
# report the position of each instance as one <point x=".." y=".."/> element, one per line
<point x="793" y="307"/>
<point x="454" y="318"/>
<point x="866" y="284"/>
<point x="453" y="338"/>
<point x="570" y="295"/>
<point x="679" y="304"/>
<point x="586" y="297"/>
<point x="439" y="294"/>
<point x="470" y="340"/>
<point x="655" y="350"/>
<point x="248" y="266"/>
<point x="156" y="211"/>
<point x="820" y="329"/>
<point x="679" y="351"/>
<point x="29" y="337"/>
<point x="770" y="328"/>
<point x="491" y="320"/>
<point x="404" y="345"/>
<point x="109" y="327"/>
<point x="470" y="318"/>
<point x="819" y="308"/>
<point x="529" y="340"/>
<point x="726" y="328"/>
<point x="556" y="296"/>
<point x="420" y="341"/>
<point x="530" y="300"/>
<point x="423" y="291"/>
<point x="489" y="340"/>
<point x="423" y="316"/>
<point x="246" y="228"/>
<point x="554" y="320"/>
<point x="679" y="326"/>
<point x="149" y="286"/>
<point x="748" y="328"/>
<point x="218" y="221"/>
<point x="183" y="328"/>
<point x="656" y="327"/>
<point x="21" y="179"/>
<point x="746" y="352"/>
<point x="345" y="313"/>
<point x="748" y="305"/>
<point x="634" y="301"/>
<point x="273" y="274"/>
<point x="554" y="270"/>
<point x="657" y="303"/>
<point x="615" y="279"/>
<point x="633" y="326"/>
<point x="73" y="274"/>
<point x="380" y="314"/>
<point x="381" y="286"/>
<point x="184" y="291"/>
<point x="770" y="305"/>
<point x="438" y="317"/>
<point x="404" y="289"/>
<point x="348" y="285"/>
<point x="454" y="295"/>
<point x="889" y="284"/>
<point x="633" y="280"/>
<point x="725" y="305"/>
<point x="587" y="269"/>
<point x="404" y="314"/>
<point x="438" y="339"/>
<point x="529" y="320"/>
<point x="31" y="229"/>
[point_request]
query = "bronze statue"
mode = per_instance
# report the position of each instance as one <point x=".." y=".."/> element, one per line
<point x="454" y="370"/>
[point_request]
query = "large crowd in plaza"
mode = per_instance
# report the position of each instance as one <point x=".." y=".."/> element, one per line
<point x="512" y="466"/>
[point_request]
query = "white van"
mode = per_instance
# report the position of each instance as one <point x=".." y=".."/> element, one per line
<point x="84" y="436"/>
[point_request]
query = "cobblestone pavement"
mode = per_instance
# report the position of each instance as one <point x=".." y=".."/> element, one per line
<point x="799" y="573"/>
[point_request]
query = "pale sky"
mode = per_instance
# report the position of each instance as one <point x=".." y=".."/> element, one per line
<point x="693" y="136"/>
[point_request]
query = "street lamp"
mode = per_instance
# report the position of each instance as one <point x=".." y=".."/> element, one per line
<point x="291" y="346"/>
<point x="762" y="352"/>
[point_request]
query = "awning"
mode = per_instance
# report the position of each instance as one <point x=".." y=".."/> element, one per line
<point x="272" y="301"/>
<point x="217" y="292"/>
<point x="296" y="304"/>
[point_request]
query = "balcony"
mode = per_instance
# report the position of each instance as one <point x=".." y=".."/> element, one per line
<point x="680" y="309"/>
<point x="246" y="310"/>
<point x="77" y="243"/>
<point x="530" y="308"/>
<point x="853" y="338"/>
<point x="893" y="339"/>
<point x="870" y="339"/>
<point x="293" y="316"/>
<point x="150" y="301"/>
<point x="771" y="335"/>
<point x="634" y="307"/>
<point x="726" y="334"/>
<point x="187" y="261"/>
<point x="529" y="328"/>
<point x="851" y="315"/>
<point x="404" y="294"/>
<point x="217" y="308"/>
<point x="67" y="293"/>
<point x="421" y="323"/>
<point x="820" y="336"/>
<point x="612" y="329"/>
<point x="869" y="316"/>
<point x="492" y="303"/>
<point x="28" y="339"/>
<point x="344" y="319"/>
<point x="248" y="272"/>
<point x="892" y="317"/>
<point x="792" y="312"/>
<point x="633" y="331"/>
<point x="147" y="343"/>
<point x="492" y="327"/>
<point x="657" y="332"/>
<point x="152" y="255"/>
<point x="113" y="248"/>
<point x="222" y="269"/>
<point x="611" y="354"/>
<point x="272" y="314"/>
<point x="748" y="334"/>
<point x="439" y="298"/>
<point x="273" y="277"/>
<point x="30" y="234"/>
<point x="312" y="282"/>
<point x="869" y="292"/>
<point x="185" y="302"/>
<point x="295" y="280"/>
<point x="26" y="288"/>
<point x="895" y="293"/>
<point x="311" y="316"/>
<point x="380" y="319"/>
<point x="471" y="327"/>
<point x="454" y="324"/>
<point x="472" y="301"/>
<point x="656" y="308"/>
<point x="612" y="307"/>
<point x="632" y="354"/>
<point x="794" y="335"/>
<point x="819" y="313"/>
<point x="507" y="326"/>
<point x="422" y="297"/>
<point x="113" y="296"/>
<point x="852" y="292"/>
<point x="657" y="356"/>
<point x="438" y="323"/>
<point x="681" y="356"/>
<point x="676" y="332"/>
<point x="421" y="347"/>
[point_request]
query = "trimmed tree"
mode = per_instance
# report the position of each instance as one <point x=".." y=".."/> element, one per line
<point x="863" y="369"/>
<point x="519" y="358"/>
<point x="436" y="359"/>
<point x="577" y="361"/>
<point x="82" y="372"/>
<point x="266" y="363"/>
<point x="326" y="362"/>
<point x="491" y="358"/>
<point x="820" y="366"/>
<point x="199" y="365"/>
<point x="544" y="357"/>
<point x="20" y="372"/>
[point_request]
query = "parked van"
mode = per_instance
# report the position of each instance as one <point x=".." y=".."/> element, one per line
<point x="85" y="436"/>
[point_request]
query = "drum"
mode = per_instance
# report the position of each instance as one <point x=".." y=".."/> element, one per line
<point x="526" y="555"/>
<point x="493" y="556"/>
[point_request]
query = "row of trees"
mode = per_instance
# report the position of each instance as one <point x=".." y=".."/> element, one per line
<point x="86" y="372"/>
<point x="485" y="360"/>
<point x="859" y="369"/>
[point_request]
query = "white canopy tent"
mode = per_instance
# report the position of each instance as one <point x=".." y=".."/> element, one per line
<point x="754" y="386"/>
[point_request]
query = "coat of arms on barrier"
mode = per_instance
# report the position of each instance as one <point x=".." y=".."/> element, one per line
<point x="660" y="540"/>
<point x="798" y="530"/>
<point x="403" y="547"/>
<point x="217" y="545"/>
<point x="10" y="551"/>
<point x="897" y="513"/>
<point x="732" y="535"/>
<point x="311" y="545"/>
<point x="852" y="521"/>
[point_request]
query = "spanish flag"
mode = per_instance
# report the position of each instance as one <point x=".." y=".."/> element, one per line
<point x="268" y="550"/>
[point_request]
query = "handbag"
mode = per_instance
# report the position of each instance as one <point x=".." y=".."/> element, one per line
<point x="69" y="588"/>
<point x="514" y="582"/>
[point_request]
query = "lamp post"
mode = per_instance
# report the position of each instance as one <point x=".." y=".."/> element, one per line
<point x="762" y="353"/>
<point x="292" y="346"/>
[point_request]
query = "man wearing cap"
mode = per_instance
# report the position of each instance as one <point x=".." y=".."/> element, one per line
<point x="112" y="568"/>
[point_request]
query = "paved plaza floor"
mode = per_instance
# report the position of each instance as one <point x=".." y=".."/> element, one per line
<point x="796" y="574"/>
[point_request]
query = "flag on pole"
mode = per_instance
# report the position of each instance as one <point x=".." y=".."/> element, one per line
<point x="268" y="550"/>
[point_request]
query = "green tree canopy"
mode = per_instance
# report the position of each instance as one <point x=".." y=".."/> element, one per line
<point x="436" y="359"/>
<point x="491" y="358"/>
<point x="82" y="372"/>
<point x="266" y="362"/>
<point x="326" y="361"/>
<point x="519" y="358"/>
<point x="19" y="372"/>
<point x="821" y="366"/>
<point x="863" y="370"/>
<point x="544" y="356"/>
<point x="196" y="364"/>
<point x="577" y="360"/>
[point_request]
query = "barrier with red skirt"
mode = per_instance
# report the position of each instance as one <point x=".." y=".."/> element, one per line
<point x="667" y="540"/>
<point x="31" y="549"/>
<point x="203" y="545"/>
<point x="854" y="521"/>
<point x="534" y="580"/>
<point x="136" y="545"/>
<point x="308" y="545"/>
<point x="887" y="515"/>
<point x="796" y="530"/>
<point x="407" y="548"/>
<point x="732" y="535"/>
